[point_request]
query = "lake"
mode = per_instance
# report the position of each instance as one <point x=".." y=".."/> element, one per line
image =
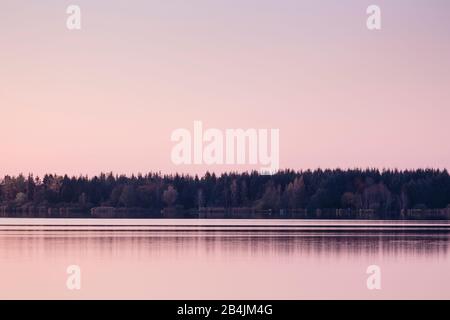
<point x="223" y="259"/>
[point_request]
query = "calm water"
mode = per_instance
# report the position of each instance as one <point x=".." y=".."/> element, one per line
<point x="223" y="259"/>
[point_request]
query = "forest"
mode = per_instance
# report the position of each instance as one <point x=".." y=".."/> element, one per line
<point x="333" y="193"/>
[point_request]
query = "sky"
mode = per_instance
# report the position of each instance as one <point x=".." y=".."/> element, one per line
<point x="107" y="97"/>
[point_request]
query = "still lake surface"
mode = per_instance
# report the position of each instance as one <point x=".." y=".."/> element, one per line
<point x="223" y="259"/>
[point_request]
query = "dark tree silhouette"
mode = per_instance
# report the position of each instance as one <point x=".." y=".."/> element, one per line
<point x="319" y="193"/>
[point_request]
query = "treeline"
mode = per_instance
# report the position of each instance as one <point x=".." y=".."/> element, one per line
<point x="386" y="192"/>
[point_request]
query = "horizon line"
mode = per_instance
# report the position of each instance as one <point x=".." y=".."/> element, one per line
<point x="227" y="172"/>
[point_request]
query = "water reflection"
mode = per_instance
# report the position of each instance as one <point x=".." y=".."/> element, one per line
<point x="225" y="264"/>
<point x="148" y="244"/>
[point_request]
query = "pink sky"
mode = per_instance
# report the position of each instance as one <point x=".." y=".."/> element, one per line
<point x="107" y="97"/>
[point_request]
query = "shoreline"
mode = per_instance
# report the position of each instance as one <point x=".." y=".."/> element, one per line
<point x="224" y="213"/>
<point x="225" y="227"/>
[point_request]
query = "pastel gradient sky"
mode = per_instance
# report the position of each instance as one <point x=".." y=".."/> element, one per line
<point x="107" y="97"/>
